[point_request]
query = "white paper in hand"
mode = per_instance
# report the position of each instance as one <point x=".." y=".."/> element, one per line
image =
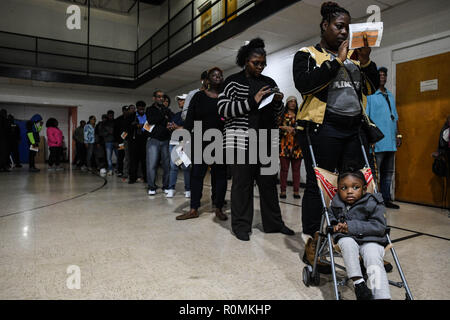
<point x="373" y="31"/>
<point x="33" y="148"/>
<point x="266" y="101"/>
<point x="183" y="157"/>
<point x="148" y="127"/>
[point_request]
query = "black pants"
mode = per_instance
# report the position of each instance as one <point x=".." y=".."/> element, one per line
<point x="4" y="154"/>
<point x="80" y="157"/>
<point x="100" y="156"/>
<point x="120" y="157"/>
<point x="244" y="176"/>
<point x="55" y="156"/>
<point x="31" y="159"/>
<point x="138" y="150"/>
<point x="335" y="144"/>
<point x="218" y="181"/>
<point x="14" y="151"/>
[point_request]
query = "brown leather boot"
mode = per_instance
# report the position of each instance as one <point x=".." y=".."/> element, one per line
<point x="310" y="253"/>
<point x="193" y="213"/>
<point x="220" y="215"/>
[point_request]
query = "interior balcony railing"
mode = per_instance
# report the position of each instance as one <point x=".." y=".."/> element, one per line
<point x="50" y="54"/>
<point x="186" y="27"/>
<point x="187" y="33"/>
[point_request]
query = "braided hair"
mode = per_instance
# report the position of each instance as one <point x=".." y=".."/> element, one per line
<point x="351" y="170"/>
<point x="255" y="46"/>
<point x="330" y="10"/>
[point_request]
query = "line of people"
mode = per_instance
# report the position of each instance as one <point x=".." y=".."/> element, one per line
<point x="11" y="138"/>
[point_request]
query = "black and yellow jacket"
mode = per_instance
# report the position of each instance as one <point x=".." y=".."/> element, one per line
<point x="313" y="71"/>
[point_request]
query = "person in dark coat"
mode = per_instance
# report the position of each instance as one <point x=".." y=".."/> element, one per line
<point x="137" y="139"/>
<point x="5" y="133"/>
<point x="14" y="141"/>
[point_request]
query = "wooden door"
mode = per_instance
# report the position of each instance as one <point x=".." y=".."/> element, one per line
<point x="421" y="117"/>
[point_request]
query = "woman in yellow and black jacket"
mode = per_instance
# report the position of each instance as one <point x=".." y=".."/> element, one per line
<point x="332" y="80"/>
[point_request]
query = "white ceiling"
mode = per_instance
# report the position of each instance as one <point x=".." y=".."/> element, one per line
<point x="286" y="28"/>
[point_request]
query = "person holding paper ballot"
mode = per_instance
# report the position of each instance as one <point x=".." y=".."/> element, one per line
<point x="240" y="105"/>
<point x="203" y="107"/>
<point x="332" y="80"/>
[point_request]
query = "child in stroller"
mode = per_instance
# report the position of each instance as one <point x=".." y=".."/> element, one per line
<point x="359" y="229"/>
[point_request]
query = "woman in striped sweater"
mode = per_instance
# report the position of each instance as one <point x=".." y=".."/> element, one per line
<point x="239" y="105"/>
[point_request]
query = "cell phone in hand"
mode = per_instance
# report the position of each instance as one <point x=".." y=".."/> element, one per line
<point x="275" y="90"/>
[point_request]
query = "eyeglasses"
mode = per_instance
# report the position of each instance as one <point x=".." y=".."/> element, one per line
<point x="259" y="64"/>
<point x="159" y="96"/>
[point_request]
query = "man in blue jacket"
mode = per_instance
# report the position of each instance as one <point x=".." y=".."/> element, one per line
<point x="381" y="109"/>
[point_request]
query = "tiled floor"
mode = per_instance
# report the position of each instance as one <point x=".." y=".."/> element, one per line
<point x="128" y="245"/>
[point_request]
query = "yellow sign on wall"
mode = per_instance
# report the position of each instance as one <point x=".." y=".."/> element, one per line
<point x="206" y="20"/>
<point x="231" y="7"/>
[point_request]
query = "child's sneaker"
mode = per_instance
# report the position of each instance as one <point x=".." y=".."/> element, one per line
<point x="362" y="292"/>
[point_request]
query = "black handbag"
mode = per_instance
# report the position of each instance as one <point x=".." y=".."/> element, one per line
<point x="440" y="166"/>
<point x="373" y="133"/>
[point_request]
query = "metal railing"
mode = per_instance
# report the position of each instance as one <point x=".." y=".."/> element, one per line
<point x="180" y="31"/>
<point x="170" y="38"/>
<point x="39" y="52"/>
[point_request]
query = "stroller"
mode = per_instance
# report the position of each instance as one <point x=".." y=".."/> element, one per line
<point x="327" y="182"/>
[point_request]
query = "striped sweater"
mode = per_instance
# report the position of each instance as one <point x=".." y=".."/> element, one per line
<point x="240" y="110"/>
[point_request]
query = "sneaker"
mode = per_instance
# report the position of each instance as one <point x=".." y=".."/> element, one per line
<point x="51" y="169"/>
<point x="283" y="195"/>
<point x="170" y="193"/>
<point x="391" y="205"/>
<point x="362" y="292"/>
<point x="297" y="196"/>
<point x="103" y="172"/>
<point x="166" y="191"/>
<point x="387" y="266"/>
<point x="187" y="194"/>
<point x="18" y="166"/>
<point x="151" y="192"/>
<point x="110" y="173"/>
<point x="59" y="168"/>
<point x="34" y="169"/>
